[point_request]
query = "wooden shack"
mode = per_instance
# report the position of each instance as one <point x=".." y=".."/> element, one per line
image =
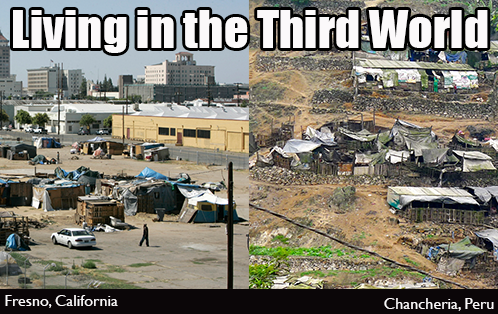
<point x="14" y="193"/>
<point x="52" y="197"/>
<point x="98" y="210"/>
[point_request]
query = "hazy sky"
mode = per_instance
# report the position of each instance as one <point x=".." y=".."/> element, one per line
<point x="230" y="66"/>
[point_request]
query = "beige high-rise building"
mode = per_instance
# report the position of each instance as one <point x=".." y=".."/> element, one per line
<point x="47" y="79"/>
<point x="182" y="71"/>
<point x="4" y="57"/>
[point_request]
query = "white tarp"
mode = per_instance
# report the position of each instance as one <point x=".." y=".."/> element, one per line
<point x="474" y="161"/>
<point x="394" y="156"/>
<point x="209" y="197"/>
<point x="299" y="146"/>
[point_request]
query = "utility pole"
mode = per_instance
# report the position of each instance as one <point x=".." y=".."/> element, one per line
<point x="230" y="226"/>
<point x="59" y="95"/>
<point x="1" y="110"/>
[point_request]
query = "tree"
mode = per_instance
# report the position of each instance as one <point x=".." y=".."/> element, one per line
<point x="41" y="119"/>
<point x="108" y="121"/>
<point x="87" y="120"/>
<point x="4" y="116"/>
<point x="22" y="117"/>
<point x="83" y="88"/>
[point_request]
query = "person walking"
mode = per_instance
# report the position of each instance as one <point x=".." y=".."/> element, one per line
<point x="145" y="236"/>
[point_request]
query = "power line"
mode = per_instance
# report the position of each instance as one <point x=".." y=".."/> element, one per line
<point x="354" y="246"/>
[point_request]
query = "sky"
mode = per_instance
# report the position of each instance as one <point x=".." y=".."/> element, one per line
<point x="230" y="66"/>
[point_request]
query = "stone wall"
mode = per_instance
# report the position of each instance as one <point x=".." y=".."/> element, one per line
<point x="274" y="64"/>
<point x="451" y="109"/>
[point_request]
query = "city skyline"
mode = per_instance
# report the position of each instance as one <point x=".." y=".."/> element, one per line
<point x="230" y="66"/>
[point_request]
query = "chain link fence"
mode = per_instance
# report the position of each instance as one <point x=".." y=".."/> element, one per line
<point x="22" y="271"/>
<point x="199" y="156"/>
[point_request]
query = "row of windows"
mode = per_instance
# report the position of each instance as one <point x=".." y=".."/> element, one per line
<point x="197" y="133"/>
<point x="167" y="131"/>
<point x="186" y="132"/>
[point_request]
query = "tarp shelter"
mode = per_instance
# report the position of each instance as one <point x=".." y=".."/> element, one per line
<point x="463" y="249"/>
<point x="490" y="237"/>
<point x="206" y="207"/>
<point x="149" y="173"/>
<point x="21" y="149"/>
<point x="149" y="196"/>
<point x="412" y="137"/>
<point x="46" y="142"/>
<point x="474" y="161"/>
<point x="324" y="136"/>
<point x="299" y="146"/>
<point x="399" y="197"/>
<point x="82" y="175"/>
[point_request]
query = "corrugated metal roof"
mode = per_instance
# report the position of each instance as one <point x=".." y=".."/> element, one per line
<point x="430" y="191"/>
<point x="391" y="64"/>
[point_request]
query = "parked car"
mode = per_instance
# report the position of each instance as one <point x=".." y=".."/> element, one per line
<point x="83" y="132"/>
<point x="28" y="129"/>
<point x="6" y="128"/>
<point x="74" y="237"/>
<point x="103" y="132"/>
<point x="40" y="131"/>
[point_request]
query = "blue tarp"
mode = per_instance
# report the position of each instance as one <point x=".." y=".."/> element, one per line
<point x="49" y="142"/>
<point x="14" y="242"/>
<point x="149" y="173"/>
<point x="457" y="56"/>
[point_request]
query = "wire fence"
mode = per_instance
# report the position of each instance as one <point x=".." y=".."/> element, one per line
<point x="22" y="271"/>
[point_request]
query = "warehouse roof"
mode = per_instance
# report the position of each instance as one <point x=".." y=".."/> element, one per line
<point x="200" y="112"/>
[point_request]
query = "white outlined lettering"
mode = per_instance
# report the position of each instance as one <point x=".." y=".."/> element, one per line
<point x="205" y="31"/>
<point x="154" y="32"/>
<point x="68" y="31"/>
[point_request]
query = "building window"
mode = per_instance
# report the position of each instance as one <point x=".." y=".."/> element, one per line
<point x="163" y="131"/>
<point x="172" y="131"/>
<point x="189" y="132"/>
<point x="203" y="133"/>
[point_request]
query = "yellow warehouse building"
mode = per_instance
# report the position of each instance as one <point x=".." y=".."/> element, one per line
<point x="221" y="128"/>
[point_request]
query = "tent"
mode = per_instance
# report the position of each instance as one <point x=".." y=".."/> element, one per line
<point x="205" y="207"/>
<point x="299" y="146"/>
<point x="46" y="142"/>
<point x="149" y="173"/>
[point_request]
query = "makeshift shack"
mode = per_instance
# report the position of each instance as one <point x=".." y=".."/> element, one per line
<point x="157" y="154"/>
<point x="455" y="256"/>
<point x="474" y="161"/>
<point x="90" y="146"/>
<point x="146" y="197"/>
<point x="206" y="207"/>
<point x="435" y="204"/>
<point x="137" y="151"/>
<point x="97" y="210"/>
<point x="57" y="196"/>
<point x="15" y="193"/>
<point x="489" y="240"/>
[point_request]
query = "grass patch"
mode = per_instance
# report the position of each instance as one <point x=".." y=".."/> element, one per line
<point x="321" y="251"/>
<point x="141" y="264"/>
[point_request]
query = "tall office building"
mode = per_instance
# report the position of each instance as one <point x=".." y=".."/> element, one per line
<point x="4" y="57"/>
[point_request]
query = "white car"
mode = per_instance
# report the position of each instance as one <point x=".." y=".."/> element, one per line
<point x="74" y="237"/>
